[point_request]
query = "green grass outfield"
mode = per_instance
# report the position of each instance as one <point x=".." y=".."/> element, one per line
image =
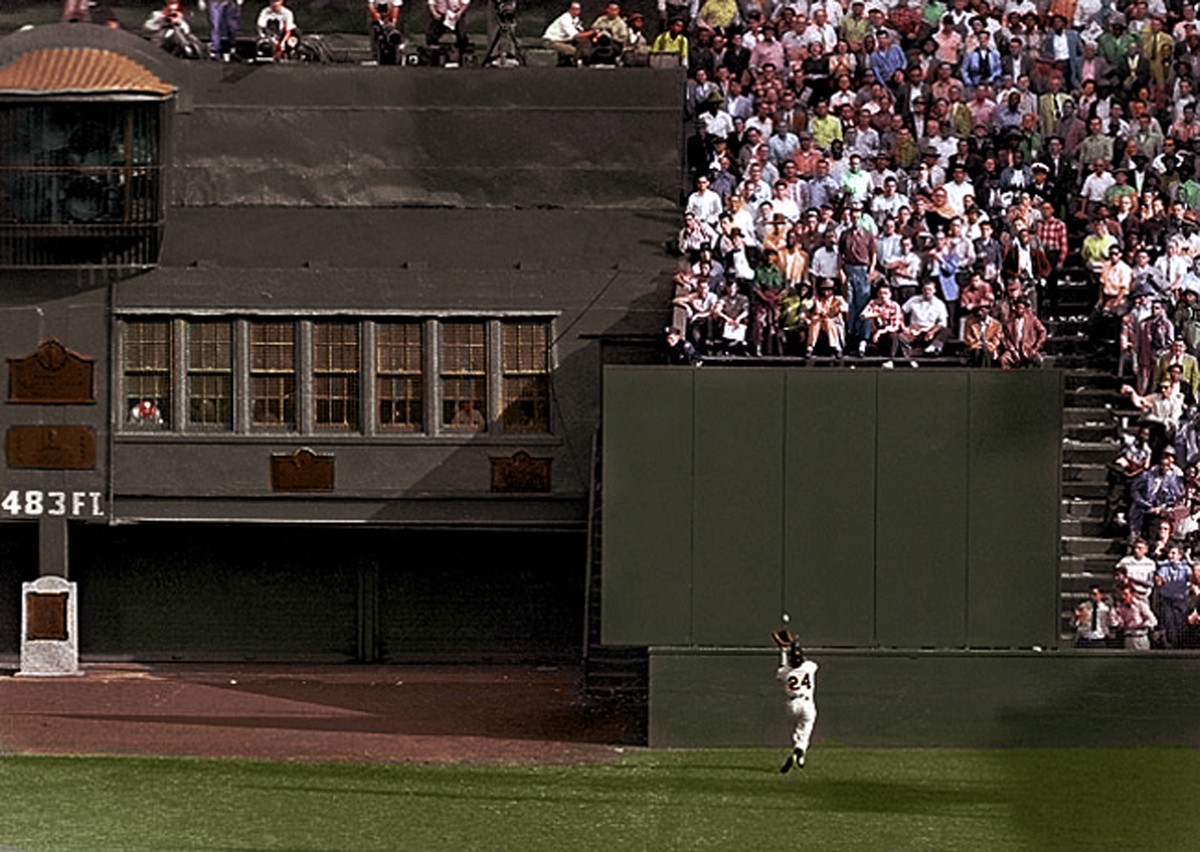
<point x="717" y="799"/>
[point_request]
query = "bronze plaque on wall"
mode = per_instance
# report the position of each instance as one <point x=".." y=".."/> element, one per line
<point x="521" y="474"/>
<point x="46" y="617"/>
<point x="53" y="374"/>
<point x="51" y="447"/>
<point x="302" y="470"/>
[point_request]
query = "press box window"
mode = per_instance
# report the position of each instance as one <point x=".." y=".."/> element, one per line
<point x="464" y="376"/>
<point x="335" y="375"/>
<point x="210" y="374"/>
<point x="147" y="376"/>
<point x="525" y="378"/>
<point x="399" y="376"/>
<point x="273" y="375"/>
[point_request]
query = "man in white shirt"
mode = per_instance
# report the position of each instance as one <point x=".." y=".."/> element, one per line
<point x="957" y="189"/>
<point x="928" y="320"/>
<point x="704" y="204"/>
<point x="566" y="36"/>
<point x="449" y="16"/>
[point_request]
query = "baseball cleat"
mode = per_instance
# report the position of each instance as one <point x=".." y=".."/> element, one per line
<point x="799" y="758"/>
<point x="787" y="764"/>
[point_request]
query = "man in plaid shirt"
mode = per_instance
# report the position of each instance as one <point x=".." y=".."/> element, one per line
<point x="1051" y="232"/>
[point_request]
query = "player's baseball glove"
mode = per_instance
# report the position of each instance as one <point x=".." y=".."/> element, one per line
<point x="782" y="637"/>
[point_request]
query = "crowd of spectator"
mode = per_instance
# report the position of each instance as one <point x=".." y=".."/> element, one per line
<point x="881" y="178"/>
<point x="1154" y="602"/>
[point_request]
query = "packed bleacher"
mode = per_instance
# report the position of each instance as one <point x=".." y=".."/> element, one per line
<point x="844" y="159"/>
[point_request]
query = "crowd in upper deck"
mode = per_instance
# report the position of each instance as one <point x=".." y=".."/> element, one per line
<point x="882" y="178"/>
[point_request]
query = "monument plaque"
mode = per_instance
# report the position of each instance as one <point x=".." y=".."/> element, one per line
<point x="49" y="627"/>
<point x="51" y="447"/>
<point x="521" y="473"/>
<point x="47" y="616"/>
<point x="52" y="374"/>
<point x="302" y="470"/>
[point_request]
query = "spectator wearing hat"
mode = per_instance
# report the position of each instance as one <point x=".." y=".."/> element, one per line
<point x="1052" y="105"/>
<point x="827" y="320"/>
<point x="981" y="66"/>
<point x="679" y="349"/>
<point x="1063" y="48"/>
<point x="1189" y="369"/>
<point x="1113" y="43"/>
<point x="983" y="337"/>
<point x="1154" y="491"/>
<point x="1024" y="337"/>
<point x="1157" y="47"/>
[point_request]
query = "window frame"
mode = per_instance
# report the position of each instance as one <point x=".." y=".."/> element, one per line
<point x="305" y="373"/>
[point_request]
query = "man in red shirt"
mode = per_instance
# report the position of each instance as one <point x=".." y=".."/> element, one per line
<point x="1051" y="232"/>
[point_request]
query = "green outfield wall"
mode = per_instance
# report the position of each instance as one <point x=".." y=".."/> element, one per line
<point x="906" y="509"/>
<point x="976" y="699"/>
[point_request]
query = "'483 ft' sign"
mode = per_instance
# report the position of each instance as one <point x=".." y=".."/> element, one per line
<point x="70" y="504"/>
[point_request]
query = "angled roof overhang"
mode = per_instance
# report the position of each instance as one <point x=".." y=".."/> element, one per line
<point x="79" y="72"/>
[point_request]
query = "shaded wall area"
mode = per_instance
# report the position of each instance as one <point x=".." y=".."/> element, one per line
<point x="897" y="509"/>
<point x="949" y="700"/>
<point x="347" y="136"/>
<point x="279" y="593"/>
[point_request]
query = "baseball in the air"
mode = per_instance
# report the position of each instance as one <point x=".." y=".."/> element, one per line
<point x="786" y="618"/>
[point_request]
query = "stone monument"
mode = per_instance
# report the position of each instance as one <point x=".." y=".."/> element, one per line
<point x="49" y="628"/>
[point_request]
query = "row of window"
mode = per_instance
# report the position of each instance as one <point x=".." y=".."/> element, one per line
<point x="429" y="376"/>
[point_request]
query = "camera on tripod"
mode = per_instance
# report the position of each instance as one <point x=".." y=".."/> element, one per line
<point x="506" y="11"/>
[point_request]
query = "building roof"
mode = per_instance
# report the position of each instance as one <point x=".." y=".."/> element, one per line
<point x="79" y="71"/>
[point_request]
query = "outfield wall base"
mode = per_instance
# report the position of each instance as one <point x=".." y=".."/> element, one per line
<point x="730" y="697"/>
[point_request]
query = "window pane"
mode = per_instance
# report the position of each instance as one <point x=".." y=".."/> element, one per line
<point x="399" y="382"/>
<point x="464" y="376"/>
<point x="526" y="401"/>
<point x="335" y="374"/>
<point x="273" y="374"/>
<point x="274" y="401"/>
<point x="210" y="374"/>
<point x="148" y="374"/>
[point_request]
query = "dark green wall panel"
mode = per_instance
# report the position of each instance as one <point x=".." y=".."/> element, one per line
<point x="921" y="509"/>
<point x="829" y="504"/>
<point x="647" y="512"/>
<point x="954" y="700"/>
<point x="1015" y="454"/>
<point x="907" y="509"/>
<point x="738" y="520"/>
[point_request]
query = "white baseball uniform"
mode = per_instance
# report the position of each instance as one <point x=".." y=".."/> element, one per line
<point x="800" y="684"/>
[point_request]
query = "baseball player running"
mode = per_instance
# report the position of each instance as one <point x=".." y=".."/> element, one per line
<point x="799" y="678"/>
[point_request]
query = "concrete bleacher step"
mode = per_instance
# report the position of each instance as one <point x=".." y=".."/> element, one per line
<point x="1077" y="509"/>
<point x="1093" y="397"/>
<point x="1101" y="433"/>
<point x="1087" y="526"/>
<point x="1088" y="415"/>
<point x="1092" y="546"/>
<point x="1084" y="378"/>
<point x="1088" y="566"/>
<point x="1089" y="452"/>
<point x="1086" y="490"/>
<point x="1081" y="471"/>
